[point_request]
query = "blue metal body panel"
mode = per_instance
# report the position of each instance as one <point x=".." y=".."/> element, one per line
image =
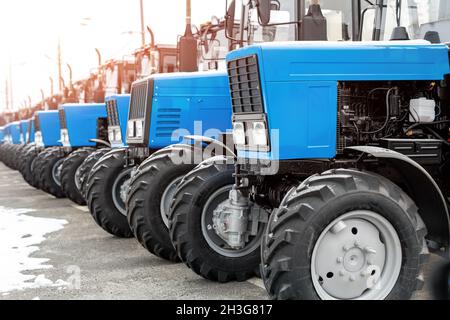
<point x="123" y="108"/>
<point x="189" y="104"/>
<point x="299" y="86"/>
<point x="15" y="132"/>
<point x="81" y="120"/>
<point x="31" y="134"/>
<point x="49" y="128"/>
<point x="2" y="134"/>
<point x="24" y="130"/>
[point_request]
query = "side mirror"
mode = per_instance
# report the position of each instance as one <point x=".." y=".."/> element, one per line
<point x="264" y="10"/>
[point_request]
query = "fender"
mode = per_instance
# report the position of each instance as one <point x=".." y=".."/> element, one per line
<point x="102" y="142"/>
<point x="212" y="142"/>
<point x="424" y="191"/>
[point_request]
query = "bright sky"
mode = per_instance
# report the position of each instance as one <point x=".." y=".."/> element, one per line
<point x="29" y="32"/>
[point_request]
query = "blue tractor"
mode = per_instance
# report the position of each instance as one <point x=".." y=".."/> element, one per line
<point x="117" y="107"/>
<point x="164" y="109"/>
<point x="46" y="136"/>
<point x="82" y="129"/>
<point x="149" y="59"/>
<point x="339" y="184"/>
<point x="13" y="144"/>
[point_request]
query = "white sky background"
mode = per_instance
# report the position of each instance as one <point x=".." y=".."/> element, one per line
<point x="29" y="32"/>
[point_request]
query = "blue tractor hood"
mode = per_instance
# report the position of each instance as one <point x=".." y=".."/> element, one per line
<point x="79" y="123"/>
<point x="298" y="85"/>
<point x="15" y="132"/>
<point x="174" y="105"/>
<point x="47" y="129"/>
<point x="2" y="134"/>
<point x="117" y="107"/>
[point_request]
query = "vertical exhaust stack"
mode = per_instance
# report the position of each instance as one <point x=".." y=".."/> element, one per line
<point x="314" y="26"/>
<point x="188" y="45"/>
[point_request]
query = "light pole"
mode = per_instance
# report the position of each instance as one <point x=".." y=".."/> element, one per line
<point x="142" y="22"/>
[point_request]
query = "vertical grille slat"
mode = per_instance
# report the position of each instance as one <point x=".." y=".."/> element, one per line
<point x="245" y="85"/>
<point x="62" y="119"/>
<point x="37" y="125"/>
<point x="138" y="103"/>
<point x="113" y="114"/>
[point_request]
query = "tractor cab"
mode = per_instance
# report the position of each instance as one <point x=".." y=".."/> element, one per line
<point x="157" y="58"/>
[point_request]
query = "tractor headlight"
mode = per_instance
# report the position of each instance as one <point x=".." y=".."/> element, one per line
<point x="259" y="134"/>
<point x="38" y="139"/>
<point x="111" y="135"/>
<point x="118" y="135"/>
<point x="139" y="129"/>
<point x="65" y="137"/>
<point x="239" y="133"/>
<point x="131" y="131"/>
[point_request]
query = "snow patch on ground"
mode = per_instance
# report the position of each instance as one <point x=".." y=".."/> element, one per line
<point x="19" y="236"/>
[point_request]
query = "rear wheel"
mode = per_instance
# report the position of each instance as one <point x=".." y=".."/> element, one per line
<point x="85" y="169"/>
<point x="344" y="234"/>
<point x="48" y="166"/>
<point x="192" y="226"/>
<point x="151" y="192"/>
<point x="70" y="180"/>
<point x="108" y="184"/>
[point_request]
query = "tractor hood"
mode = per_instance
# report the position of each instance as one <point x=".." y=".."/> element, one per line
<point x="166" y="107"/>
<point x="349" y="61"/>
<point x="47" y="129"/>
<point x="79" y="123"/>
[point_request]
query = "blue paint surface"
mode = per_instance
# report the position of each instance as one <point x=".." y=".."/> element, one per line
<point x="49" y="128"/>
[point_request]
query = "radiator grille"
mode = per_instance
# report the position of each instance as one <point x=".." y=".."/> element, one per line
<point x="37" y="125"/>
<point x="139" y="95"/>
<point x="62" y="119"/>
<point x="245" y="85"/>
<point x="113" y="114"/>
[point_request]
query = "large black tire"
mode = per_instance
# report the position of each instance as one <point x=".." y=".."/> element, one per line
<point x="10" y="159"/>
<point x="153" y="177"/>
<point x="44" y="166"/>
<point x="186" y="231"/>
<point x="294" y="230"/>
<point x="25" y="168"/>
<point x="100" y="194"/>
<point x="69" y="180"/>
<point x="86" y="167"/>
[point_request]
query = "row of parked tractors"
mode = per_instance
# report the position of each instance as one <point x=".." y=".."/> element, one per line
<point x="318" y="160"/>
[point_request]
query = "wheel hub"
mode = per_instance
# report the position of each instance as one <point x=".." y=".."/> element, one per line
<point x="56" y="172"/>
<point x="353" y="255"/>
<point x="120" y="190"/>
<point x="166" y="199"/>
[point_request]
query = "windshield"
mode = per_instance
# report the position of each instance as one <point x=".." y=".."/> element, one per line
<point x="285" y="21"/>
<point x="419" y="16"/>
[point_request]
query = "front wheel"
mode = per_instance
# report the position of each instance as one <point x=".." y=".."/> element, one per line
<point x="344" y="234"/>
<point x="193" y="222"/>
<point x="47" y="167"/>
<point x="70" y="180"/>
<point x="107" y="190"/>
<point x="149" y="198"/>
<point x="85" y="169"/>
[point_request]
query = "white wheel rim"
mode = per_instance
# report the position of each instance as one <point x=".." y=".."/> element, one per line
<point x="357" y="256"/>
<point x="167" y="198"/>
<point x="56" y="172"/>
<point x="120" y="190"/>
